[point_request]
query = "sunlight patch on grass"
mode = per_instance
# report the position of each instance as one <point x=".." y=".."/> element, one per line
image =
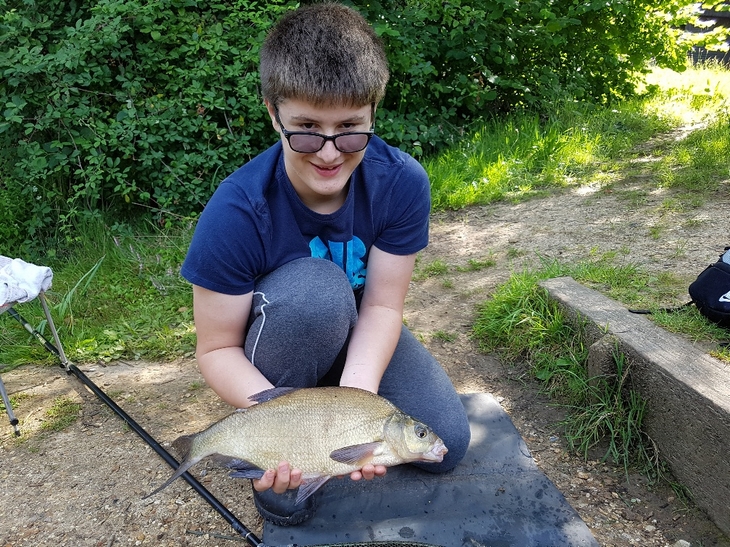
<point x="690" y="97"/>
<point x="582" y="146"/>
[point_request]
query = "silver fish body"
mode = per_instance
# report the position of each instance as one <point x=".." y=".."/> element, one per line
<point x="324" y="431"/>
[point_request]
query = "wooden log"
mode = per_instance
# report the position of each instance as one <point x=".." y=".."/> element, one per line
<point x="687" y="393"/>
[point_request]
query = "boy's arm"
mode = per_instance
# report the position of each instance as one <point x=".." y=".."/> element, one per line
<point x="380" y="319"/>
<point x="220" y="324"/>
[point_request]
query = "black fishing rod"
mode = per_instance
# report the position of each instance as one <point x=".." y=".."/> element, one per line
<point x="70" y="368"/>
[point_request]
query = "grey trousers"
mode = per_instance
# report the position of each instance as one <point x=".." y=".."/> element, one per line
<point x="300" y="323"/>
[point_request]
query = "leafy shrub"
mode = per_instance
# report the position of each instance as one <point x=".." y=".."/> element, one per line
<point x="458" y="60"/>
<point x="127" y="102"/>
<point x="116" y="104"/>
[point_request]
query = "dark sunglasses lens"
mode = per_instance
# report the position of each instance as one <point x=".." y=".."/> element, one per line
<point x="305" y="143"/>
<point x="352" y="143"/>
<point x="309" y="144"/>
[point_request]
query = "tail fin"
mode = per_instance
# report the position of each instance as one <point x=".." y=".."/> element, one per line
<point x="183" y="446"/>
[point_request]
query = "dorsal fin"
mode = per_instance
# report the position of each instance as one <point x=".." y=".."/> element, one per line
<point x="269" y="394"/>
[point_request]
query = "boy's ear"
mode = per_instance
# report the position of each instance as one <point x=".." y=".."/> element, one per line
<point x="272" y="115"/>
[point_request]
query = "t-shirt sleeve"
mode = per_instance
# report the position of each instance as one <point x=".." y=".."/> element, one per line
<point x="227" y="247"/>
<point x="409" y="205"/>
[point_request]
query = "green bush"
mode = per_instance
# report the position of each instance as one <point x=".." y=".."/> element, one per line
<point x="117" y="104"/>
<point x="458" y="60"/>
<point x="127" y="102"/>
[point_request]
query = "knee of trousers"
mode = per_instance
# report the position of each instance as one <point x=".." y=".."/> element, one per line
<point x="302" y="314"/>
<point x="312" y="294"/>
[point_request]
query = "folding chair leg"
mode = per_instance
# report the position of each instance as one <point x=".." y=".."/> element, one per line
<point x="9" y="408"/>
<point x="52" y="326"/>
<point x="57" y="350"/>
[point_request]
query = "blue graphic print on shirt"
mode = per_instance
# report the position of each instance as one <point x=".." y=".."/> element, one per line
<point x="348" y="256"/>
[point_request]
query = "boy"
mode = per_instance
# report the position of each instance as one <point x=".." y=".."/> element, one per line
<point x="301" y="260"/>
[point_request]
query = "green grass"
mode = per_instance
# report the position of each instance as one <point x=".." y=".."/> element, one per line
<point x="612" y="415"/>
<point x="580" y="145"/>
<point x="699" y="162"/>
<point x="432" y="269"/>
<point x="63" y="413"/>
<point x="475" y="265"/>
<point x="440" y="268"/>
<point x="522" y="324"/>
<point x="445" y="336"/>
<point x="118" y="295"/>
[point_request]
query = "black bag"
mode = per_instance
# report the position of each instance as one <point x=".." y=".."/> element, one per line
<point x="710" y="292"/>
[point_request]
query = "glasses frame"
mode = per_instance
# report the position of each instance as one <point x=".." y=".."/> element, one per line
<point x="289" y="134"/>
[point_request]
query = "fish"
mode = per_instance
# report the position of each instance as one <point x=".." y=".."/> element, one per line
<point x="323" y="431"/>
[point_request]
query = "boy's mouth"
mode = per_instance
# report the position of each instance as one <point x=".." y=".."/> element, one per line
<point x="327" y="170"/>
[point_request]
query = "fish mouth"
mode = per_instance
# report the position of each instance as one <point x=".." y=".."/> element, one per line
<point x="436" y="454"/>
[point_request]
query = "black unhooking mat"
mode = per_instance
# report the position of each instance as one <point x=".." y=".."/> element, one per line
<point x="496" y="497"/>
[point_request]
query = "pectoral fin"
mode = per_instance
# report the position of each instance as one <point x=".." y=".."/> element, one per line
<point x="357" y="454"/>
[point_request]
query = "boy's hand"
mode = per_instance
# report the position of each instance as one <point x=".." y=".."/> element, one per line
<point x="285" y="478"/>
<point x="280" y="480"/>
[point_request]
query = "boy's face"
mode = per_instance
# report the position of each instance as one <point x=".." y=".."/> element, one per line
<point x="320" y="178"/>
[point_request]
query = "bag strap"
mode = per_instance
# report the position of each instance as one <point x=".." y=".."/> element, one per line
<point x="666" y="310"/>
<point x="721" y="344"/>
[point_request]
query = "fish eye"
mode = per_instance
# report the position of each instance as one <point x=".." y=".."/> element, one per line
<point x="421" y="431"/>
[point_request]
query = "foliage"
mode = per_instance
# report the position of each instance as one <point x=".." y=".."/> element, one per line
<point x="117" y="104"/>
<point x="612" y="414"/>
<point x="699" y="162"/>
<point x="461" y="60"/>
<point x="126" y="102"/>
<point x="520" y="320"/>
<point x="63" y="413"/>
<point x="706" y="30"/>
<point x="120" y="297"/>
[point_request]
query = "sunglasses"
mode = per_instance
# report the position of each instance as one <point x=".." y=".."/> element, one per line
<point x="305" y="142"/>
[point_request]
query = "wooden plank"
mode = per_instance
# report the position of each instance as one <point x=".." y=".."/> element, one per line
<point x="687" y="393"/>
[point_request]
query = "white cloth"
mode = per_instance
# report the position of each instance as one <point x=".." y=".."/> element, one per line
<point x="21" y="282"/>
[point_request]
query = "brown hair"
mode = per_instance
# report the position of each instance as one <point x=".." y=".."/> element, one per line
<point x="323" y="54"/>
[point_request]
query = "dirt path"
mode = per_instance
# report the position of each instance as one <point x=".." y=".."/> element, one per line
<point x="83" y="486"/>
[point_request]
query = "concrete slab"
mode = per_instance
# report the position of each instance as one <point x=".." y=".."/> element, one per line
<point x="496" y="497"/>
<point x="687" y="392"/>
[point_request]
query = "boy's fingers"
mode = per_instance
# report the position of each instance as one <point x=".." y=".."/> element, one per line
<point x="369" y="472"/>
<point x="266" y="481"/>
<point x="280" y="480"/>
<point x="283" y="476"/>
<point x="295" y="478"/>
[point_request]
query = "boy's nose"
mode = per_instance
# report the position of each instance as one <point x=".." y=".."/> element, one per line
<point x="328" y="152"/>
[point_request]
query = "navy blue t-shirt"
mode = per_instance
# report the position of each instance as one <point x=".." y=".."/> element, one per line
<point x="255" y="221"/>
